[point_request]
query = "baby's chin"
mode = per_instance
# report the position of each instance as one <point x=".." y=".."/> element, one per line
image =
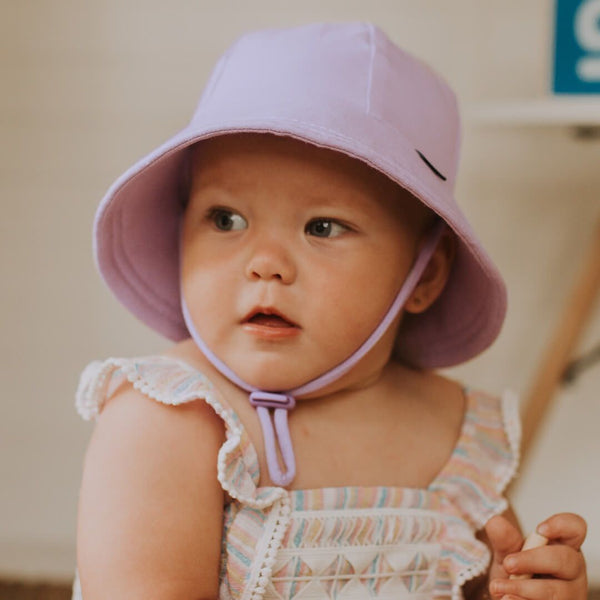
<point x="273" y="381"/>
<point x="273" y="374"/>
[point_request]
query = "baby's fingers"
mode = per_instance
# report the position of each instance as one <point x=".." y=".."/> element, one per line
<point x="558" y="561"/>
<point x="538" y="589"/>
<point x="566" y="528"/>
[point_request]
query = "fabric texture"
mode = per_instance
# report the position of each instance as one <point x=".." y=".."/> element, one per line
<point x="338" y="543"/>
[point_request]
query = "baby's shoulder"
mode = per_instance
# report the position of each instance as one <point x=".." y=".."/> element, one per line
<point x="447" y="397"/>
<point x="452" y="425"/>
<point x="488" y="434"/>
<point x="136" y="417"/>
<point x="479" y="419"/>
<point x="450" y="401"/>
<point x="431" y="399"/>
<point x="436" y="408"/>
<point x="161" y="377"/>
<point x="145" y="457"/>
<point x="157" y="395"/>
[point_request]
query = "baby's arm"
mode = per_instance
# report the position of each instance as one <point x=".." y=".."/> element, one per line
<point x="150" y="507"/>
<point x="559" y="567"/>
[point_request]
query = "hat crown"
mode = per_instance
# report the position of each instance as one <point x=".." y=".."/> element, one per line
<point x="340" y="78"/>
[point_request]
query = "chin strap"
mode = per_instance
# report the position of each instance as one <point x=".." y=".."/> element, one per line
<point x="264" y="402"/>
<point x="281" y="404"/>
<point x="275" y="428"/>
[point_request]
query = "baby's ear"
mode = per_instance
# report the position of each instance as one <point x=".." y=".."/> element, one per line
<point x="435" y="276"/>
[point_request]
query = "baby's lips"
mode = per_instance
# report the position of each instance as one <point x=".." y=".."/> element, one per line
<point x="268" y="317"/>
<point x="270" y="320"/>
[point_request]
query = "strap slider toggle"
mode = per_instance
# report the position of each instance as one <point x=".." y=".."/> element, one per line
<point x="272" y="400"/>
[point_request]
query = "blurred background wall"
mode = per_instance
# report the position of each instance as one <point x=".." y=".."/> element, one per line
<point x="88" y="87"/>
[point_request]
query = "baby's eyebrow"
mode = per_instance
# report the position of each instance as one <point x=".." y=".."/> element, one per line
<point x="215" y="188"/>
<point x="331" y="199"/>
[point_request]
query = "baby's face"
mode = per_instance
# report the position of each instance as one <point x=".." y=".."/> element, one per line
<point x="291" y="255"/>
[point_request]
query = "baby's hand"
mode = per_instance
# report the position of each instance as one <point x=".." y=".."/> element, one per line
<point x="559" y="567"/>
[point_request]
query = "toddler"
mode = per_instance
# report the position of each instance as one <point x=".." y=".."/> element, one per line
<point x="300" y="242"/>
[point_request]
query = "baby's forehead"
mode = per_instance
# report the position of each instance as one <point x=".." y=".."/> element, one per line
<point x="246" y="146"/>
<point x="223" y="156"/>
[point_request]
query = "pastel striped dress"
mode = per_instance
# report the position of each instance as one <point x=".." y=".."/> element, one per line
<point x="346" y="543"/>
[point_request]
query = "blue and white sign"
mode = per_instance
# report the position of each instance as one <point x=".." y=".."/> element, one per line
<point x="577" y="47"/>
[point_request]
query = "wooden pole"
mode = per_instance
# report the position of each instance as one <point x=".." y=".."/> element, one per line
<point x="561" y="346"/>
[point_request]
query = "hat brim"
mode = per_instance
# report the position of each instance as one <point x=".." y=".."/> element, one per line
<point x="136" y="240"/>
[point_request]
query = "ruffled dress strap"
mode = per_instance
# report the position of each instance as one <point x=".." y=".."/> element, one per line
<point x="173" y="382"/>
<point x="470" y="489"/>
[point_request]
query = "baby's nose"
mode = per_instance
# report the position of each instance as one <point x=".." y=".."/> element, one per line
<point x="271" y="261"/>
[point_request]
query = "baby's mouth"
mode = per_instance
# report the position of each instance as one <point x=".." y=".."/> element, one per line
<point x="269" y="321"/>
<point x="269" y="318"/>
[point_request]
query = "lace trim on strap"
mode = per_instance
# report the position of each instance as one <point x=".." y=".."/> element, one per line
<point x="485" y="460"/>
<point x="512" y="426"/>
<point x="174" y="382"/>
<point x="463" y="558"/>
<point x="268" y="547"/>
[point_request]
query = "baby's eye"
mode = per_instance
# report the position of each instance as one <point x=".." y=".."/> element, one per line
<point x="325" y="228"/>
<point x="227" y="220"/>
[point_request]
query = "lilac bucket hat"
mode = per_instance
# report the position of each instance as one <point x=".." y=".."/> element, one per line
<point x="341" y="86"/>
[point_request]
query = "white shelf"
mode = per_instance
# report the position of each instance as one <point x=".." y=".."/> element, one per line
<point x="571" y="111"/>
